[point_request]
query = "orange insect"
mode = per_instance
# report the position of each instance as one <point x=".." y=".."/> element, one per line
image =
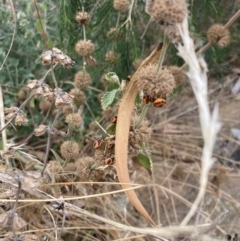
<point x="159" y="102"/>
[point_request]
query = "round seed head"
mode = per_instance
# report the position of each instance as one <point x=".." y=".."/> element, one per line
<point x="121" y="5"/>
<point x="178" y="74"/>
<point x="173" y="33"/>
<point x="82" y="79"/>
<point x="82" y="18"/>
<point x="217" y="34"/>
<point x="45" y="105"/>
<point x="69" y="150"/>
<point x="84" y="47"/>
<point x="73" y="120"/>
<point x="153" y="84"/>
<point x="167" y="11"/>
<point x="79" y="96"/>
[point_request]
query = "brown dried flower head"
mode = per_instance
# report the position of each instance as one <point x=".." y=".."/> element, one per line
<point x="55" y="55"/>
<point x="69" y="150"/>
<point x="121" y="5"/>
<point x="40" y="130"/>
<point x="138" y="135"/>
<point x="82" y="18"/>
<point x="79" y="96"/>
<point x="217" y="34"/>
<point x="45" y="105"/>
<point x="69" y="109"/>
<point x="62" y="98"/>
<point x="73" y="120"/>
<point x="20" y="119"/>
<point x="10" y="109"/>
<point x="82" y="79"/>
<point x="22" y="94"/>
<point x="167" y="11"/>
<point x="173" y="33"/>
<point x="84" y="47"/>
<point x="153" y="84"/>
<point x="178" y="74"/>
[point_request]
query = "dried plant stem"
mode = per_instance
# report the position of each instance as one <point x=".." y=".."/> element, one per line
<point x="14" y="32"/>
<point x="2" y="121"/>
<point x="209" y="121"/>
<point x="209" y="44"/>
<point x="49" y="141"/>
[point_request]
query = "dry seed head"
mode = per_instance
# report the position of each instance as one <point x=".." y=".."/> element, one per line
<point x="82" y="79"/>
<point x="173" y="33"/>
<point x="84" y="47"/>
<point x="167" y="11"/>
<point x="41" y="130"/>
<point x="45" y="105"/>
<point x="217" y="34"/>
<point x="73" y="120"/>
<point x="69" y="150"/>
<point x="69" y="109"/>
<point x="79" y="96"/>
<point x="155" y="85"/>
<point x="22" y="94"/>
<point x="62" y="98"/>
<point x="178" y="74"/>
<point x="21" y="119"/>
<point x="121" y="5"/>
<point x="82" y="18"/>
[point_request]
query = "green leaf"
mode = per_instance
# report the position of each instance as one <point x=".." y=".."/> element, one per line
<point x="112" y="78"/>
<point x="145" y="161"/>
<point x="112" y="129"/>
<point x="108" y="98"/>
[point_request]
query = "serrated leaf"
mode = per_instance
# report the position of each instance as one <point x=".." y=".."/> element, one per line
<point x="112" y="78"/>
<point x="145" y="161"/>
<point x="108" y="98"/>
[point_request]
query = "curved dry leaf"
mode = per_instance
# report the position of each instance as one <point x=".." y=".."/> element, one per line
<point x="3" y="220"/>
<point x="18" y="223"/>
<point x="122" y="131"/>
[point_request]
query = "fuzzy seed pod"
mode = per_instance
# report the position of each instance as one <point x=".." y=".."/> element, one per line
<point x="138" y="136"/>
<point x="22" y="94"/>
<point x="62" y="98"/>
<point x="45" y="105"/>
<point x="121" y="5"/>
<point x="87" y="169"/>
<point x="217" y="34"/>
<point x="84" y="47"/>
<point x="82" y="18"/>
<point x="82" y="79"/>
<point x="173" y="34"/>
<point x="21" y="119"/>
<point x="40" y="130"/>
<point x="179" y="75"/>
<point x="69" y="150"/>
<point x="69" y="109"/>
<point x="79" y="96"/>
<point x="73" y="120"/>
<point x="155" y="85"/>
<point x="167" y="11"/>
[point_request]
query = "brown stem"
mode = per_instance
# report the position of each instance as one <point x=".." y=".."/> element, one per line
<point x="209" y="44"/>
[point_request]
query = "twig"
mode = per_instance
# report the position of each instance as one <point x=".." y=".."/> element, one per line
<point x="14" y="32"/>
